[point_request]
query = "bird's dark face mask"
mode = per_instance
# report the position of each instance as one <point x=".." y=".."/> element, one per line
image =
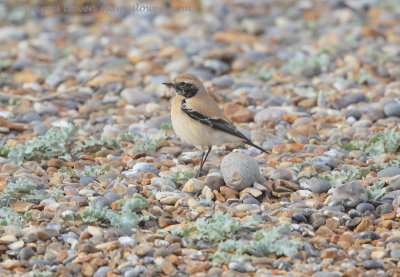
<point x="184" y="89"/>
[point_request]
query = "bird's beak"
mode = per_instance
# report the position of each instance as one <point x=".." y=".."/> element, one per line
<point x="171" y="85"/>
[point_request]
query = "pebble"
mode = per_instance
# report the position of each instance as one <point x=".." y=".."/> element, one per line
<point x="389" y="172"/>
<point x="193" y="186"/>
<point x="324" y="162"/>
<point x="163" y="183"/>
<point x="26" y="253"/>
<point x="144" y="167"/>
<point x="350" y="194"/>
<point x="364" y="207"/>
<point x="392" y="109"/>
<point x="239" y="171"/>
<point x="315" y="185"/>
<point x="135" y="97"/>
<point x="371" y="264"/>
<point x="214" y="180"/>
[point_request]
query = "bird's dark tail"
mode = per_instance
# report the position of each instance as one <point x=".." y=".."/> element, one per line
<point x="249" y="142"/>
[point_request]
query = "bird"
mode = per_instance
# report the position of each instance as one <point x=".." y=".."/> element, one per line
<point x="198" y="120"/>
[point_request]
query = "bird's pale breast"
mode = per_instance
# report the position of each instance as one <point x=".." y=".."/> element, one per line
<point x="194" y="132"/>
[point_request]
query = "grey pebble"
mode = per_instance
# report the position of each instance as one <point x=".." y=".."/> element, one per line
<point x="327" y="274"/>
<point x="239" y="171"/>
<point x="107" y="177"/>
<point x="241" y="267"/>
<point x="250" y="200"/>
<point x="111" y="197"/>
<point x="85" y="180"/>
<point x="395" y="253"/>
<point x="39" y="128"/>
<point x="392" y="109"/>
<point x="224" y="81"/>
<point x="354" y="213"/>
<point x="353" y="113"/>
<point x="214" y="180"/>
<point x="136" y="272"/>
<point x="299" y="218"/>
<point x="136" y="97"/>
<point x="26" y="253"/>
<point x="352" y="98"/>
<point x="323" y="162"/>
<point x="350" y="194"/>
<point x="316" y="185"/>
<point x="363" y="207"/>
<point x="31" y="116"/>
<point x="368" y="235"/>
<point x="144" y="167"/>
<point x="371" y="264"/>
<point x="102" y="271"/>
<point x="162" y="183"/>
<point x="389" y="172"/>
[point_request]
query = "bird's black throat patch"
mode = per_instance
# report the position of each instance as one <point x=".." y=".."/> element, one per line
<point x="187" y="90"/>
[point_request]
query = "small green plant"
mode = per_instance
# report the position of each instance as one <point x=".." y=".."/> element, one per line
<point x="179" y="175"/>
<point x="4" y="150"/>
<point x="93" y="171"/>
<point x="38" y="273"/>
<point x="127" y="217"/>
<point x="217" y="228"/>
<point x="262" y="243"/>
<point x="94" y="144"/>
<point x="363" y="76"/>
<point x="377" y="190"/>
<point x="166" y="126"/>
<point x="15" y="191"/>
<point x="337" y="178"/>
<point x="52" y="144"/>
<point x="148" y="144"/>
<point x="319" y="59"/>
<point x="265" y="74"/>
<point x="9" y="217"/>
<point x="386" y="141"/>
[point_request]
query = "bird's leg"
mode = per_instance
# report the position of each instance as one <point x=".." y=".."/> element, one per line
<point x="204" y="158"/>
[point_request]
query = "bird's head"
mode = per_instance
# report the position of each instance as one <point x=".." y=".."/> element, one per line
<point x="186" y="85"/>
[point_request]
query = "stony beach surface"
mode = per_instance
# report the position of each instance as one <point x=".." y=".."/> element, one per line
<point x="94" y="182"/>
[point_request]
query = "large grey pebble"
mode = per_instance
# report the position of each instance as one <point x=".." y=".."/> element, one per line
<point x="389" y="172"/>
<point x="315" y="185"/>
<point x="239" y="171"/>
<point x="136" y="97"/>
<point x="392" y="109"/>
<point x="350" y="194"/>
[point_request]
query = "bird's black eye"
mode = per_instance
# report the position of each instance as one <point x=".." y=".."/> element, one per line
<point x="182" y="84"/>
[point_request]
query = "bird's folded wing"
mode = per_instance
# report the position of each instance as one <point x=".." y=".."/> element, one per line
<point x="216" y="123"/>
